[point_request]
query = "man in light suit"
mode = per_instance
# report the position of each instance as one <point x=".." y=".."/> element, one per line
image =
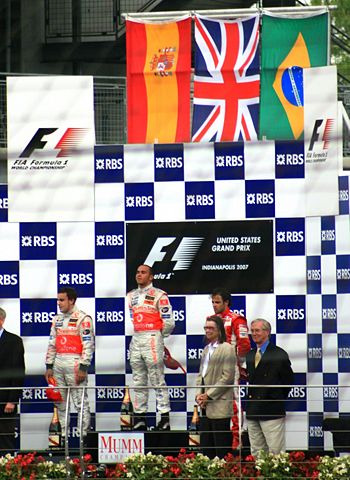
<point x="11" y="375"/>
<point x="215" y="390"/>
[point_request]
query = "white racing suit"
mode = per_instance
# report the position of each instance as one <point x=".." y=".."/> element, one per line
<point x="152" y="318"/>
<point x="71" y="347"/>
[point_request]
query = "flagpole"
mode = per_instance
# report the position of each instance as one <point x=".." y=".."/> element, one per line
<point x="226" y="13"/>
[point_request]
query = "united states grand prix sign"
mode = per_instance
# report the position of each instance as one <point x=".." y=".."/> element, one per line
<point x="195" y="257"/>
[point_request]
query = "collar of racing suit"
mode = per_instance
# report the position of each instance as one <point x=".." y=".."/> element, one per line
<point x="144" y="289"/>
<point x="225" y="312"/>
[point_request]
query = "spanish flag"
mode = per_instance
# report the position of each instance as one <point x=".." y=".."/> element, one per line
<point x="289" y="44"/>
<point x="158" y="81"/>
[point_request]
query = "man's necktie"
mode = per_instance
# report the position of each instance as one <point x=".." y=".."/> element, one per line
<point x="257" y="357"/>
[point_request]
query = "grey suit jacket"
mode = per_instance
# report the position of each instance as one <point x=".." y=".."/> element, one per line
<point x="220" y="373"/>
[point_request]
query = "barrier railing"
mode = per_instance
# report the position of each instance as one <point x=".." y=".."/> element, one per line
<point x="304" y="422"/>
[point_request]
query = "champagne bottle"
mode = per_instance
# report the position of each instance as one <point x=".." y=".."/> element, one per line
<point x="55" y="431"/>
<point x="126" y="412"/>
<point x="193" y="431"/>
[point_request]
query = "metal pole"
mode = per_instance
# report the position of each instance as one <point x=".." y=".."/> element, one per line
<point x="81" y="438"/>
<point x="8" y="35"/>
<point x="66" y="446"/>
<point x="240" y="418"/>
<point x="227" y="13"/>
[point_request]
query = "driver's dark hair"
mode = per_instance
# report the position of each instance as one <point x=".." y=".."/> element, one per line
<point x="224" y="294"/>
<point x="70" y="291"/>
<point x="145" y="265"/>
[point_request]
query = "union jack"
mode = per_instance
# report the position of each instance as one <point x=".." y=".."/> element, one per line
<point x="226" y="80"/>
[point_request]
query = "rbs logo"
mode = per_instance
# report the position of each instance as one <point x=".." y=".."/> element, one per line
<point x="37" y="241"/>
<point x="199" y="200"/>
<point x="328" y="235"/>
<point x="259" y="198"/>
<point x="139" y="201"/>
<point x="297" y="392"/>
<point x="291" y="314"/>
<point x="109" y="164"/>
<point x="110" y="317"/>
<point x="343" y="195"/>
<point x="37" y="317"/>
<point x="169" y="162"/>
<point x="8" y="279"/>
<point x="75" y="278"/>
<point x="290" y="237"/>
<point x="109" y="240"/>
<point x="4" y="203"/>
<point x="229" y="160"/>
<point x="176" y="393"/>
<point x="290" y="159"/>
<point x="110" y="393"/>
<point x="314" y="274"/>
<point x="179" y="315"/>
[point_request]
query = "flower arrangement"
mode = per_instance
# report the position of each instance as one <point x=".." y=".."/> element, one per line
<point x="34" y="467"/>
<point x="185" y="466"/>
<point x="286" y="465"/>
<point x="338" y="467"/>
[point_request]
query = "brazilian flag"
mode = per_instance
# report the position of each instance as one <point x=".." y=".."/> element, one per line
<point x="288" y="46"/>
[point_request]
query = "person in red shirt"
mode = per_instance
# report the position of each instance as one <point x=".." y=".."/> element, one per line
<point x="236" y="329"/>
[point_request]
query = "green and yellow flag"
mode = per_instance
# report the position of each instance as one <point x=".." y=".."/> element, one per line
<point x="288" y="45"/>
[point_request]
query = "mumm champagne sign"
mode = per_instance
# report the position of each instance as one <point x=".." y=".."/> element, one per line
<point x="115" y="447"/>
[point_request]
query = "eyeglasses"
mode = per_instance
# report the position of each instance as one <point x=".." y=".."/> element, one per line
<point x="210" y="328"/>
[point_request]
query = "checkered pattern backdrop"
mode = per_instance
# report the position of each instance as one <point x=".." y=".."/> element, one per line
<point x="308" y="309"/>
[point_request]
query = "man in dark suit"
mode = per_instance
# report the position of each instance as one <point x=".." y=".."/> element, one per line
<point x="267" y="365"/>
<point x="12" y="371"/>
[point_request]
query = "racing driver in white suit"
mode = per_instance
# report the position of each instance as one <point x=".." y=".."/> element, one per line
<point x="69" y="354"/>
<point x="152" y="318"/>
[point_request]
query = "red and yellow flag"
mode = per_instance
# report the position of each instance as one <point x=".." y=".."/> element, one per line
<point x="158" y="81"/>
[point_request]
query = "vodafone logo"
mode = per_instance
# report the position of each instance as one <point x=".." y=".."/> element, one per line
<point x="61" y="340"/>
<point x="138" y="317"/>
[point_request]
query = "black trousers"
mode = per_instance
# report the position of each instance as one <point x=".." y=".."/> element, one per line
<point x="7" y="432"/>
<point x="216" y="436"/>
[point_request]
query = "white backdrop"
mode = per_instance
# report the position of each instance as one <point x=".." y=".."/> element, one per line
<point x="308" y="308"/>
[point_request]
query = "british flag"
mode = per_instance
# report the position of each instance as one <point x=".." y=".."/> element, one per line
<point x="227" y="80"/>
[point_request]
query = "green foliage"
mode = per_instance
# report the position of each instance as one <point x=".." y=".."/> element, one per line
<point x="340" y="18"/>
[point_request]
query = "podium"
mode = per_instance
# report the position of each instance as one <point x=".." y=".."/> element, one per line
<point x="340" y="429"/>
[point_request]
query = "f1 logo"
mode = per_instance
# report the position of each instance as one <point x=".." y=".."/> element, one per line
<point x="183" y="255"/>
<point x="36" y="141"/>
<point x="66" y="145"/>
<point x="328" y="125"/>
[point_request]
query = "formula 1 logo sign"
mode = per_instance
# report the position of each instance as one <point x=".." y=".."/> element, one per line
<point x="46" y="151"/>
<point x="190" y="257"/>
<point x="320" y="139"/>
<point x="51" y="139"/>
